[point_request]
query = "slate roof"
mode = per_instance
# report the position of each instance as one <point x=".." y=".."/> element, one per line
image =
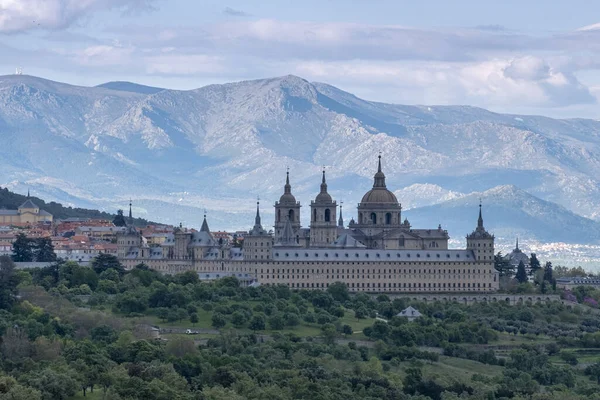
<point x="28" y="204"/>
<point x="409" y="312"/>
<point x="375" y="255"/>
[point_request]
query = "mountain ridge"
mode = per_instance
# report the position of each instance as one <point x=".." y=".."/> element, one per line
<point x="187" y="150"/>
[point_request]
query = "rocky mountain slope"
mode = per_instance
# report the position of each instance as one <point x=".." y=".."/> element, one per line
<point x="218" y="147"/>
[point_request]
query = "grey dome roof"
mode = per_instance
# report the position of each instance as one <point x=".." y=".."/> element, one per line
<point x="287" y="198"/>
<point x="379" y="195"/>
<point x="323" y="198"/>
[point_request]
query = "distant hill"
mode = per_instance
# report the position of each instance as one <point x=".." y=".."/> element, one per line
<point x="12" y="201"/>
<point x="130" y="87"/>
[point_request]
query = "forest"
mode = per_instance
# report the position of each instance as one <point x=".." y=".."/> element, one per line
<point x="101" y="332"/>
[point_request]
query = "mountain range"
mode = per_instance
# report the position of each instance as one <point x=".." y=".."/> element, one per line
<point x="216" y="148"/>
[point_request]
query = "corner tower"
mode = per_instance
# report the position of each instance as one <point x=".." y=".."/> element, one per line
<point x="481" y="241"/>
<point x="323" y="210"/>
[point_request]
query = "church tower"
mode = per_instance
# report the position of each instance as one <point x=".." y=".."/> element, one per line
<point x="481" y="241"/>
<point x="323" y="227"/>
<point x="257" y="243"/>
<point x="287" y="208"/>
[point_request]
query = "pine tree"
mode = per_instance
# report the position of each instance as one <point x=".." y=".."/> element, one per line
<point x="534" y="263"/>
<point x="43" y="250"/>
<point x="521" y="273"/>
<point x="504" y="268"/>
<point x="8" y="282"/>
<point x="548" y="272"/>
<point x="119" y="219"/>
<point x="22" y="249"/>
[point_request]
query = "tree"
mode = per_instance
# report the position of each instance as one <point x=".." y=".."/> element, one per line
<point x="22" y="249"/>
<point x="593" y="371"/>
<point x="534" y="264"/>
<point x="504" y="268"/>
<point x="119" y="219"/>
<point x="347" y="330"/>
<point x="257" y="323"/>
<point x="521" y="273"/>
<point x="339" y="291"/>
<point x="194" y="318"/>
<point x="43" y="250"/>
<point x="218" y="320"/>
<point x="103" y="262"/>
<point x="10" y="389"/>
<point x="238" y="319"/>
<point x="8" y="283"/>
<point x="548" y="272"/>
<point x="276" y="322"/>
<point x="329" y="333"/>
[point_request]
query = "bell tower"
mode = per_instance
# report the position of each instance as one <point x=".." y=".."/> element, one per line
<point x="323" y="210"/>
<point x="287" y="208"/>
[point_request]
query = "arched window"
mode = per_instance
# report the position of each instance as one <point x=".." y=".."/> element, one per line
<point x="373" y="218"/>
<point x="401" y="241"/>
<point x="388" y="218"/>
<point x="315" y="215"/>
<point x="327" y="215"/>
<point x="291" y="215"/>
<point x="360" y="218"/>
<point x="278" y="215"/>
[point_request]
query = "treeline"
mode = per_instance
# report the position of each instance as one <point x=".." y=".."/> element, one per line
<point x="12" y="201"/>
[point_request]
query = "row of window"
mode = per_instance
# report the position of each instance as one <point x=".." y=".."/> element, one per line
<point x="393" y="285"/>
<point x="366" y="255"/>
<point x="362" y="271"/>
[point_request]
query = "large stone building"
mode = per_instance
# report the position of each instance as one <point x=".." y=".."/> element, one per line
<point x="378" y="252"/>
<point x="27" y="214"/>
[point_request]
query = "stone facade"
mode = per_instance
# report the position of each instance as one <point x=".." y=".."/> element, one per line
<point x="27" y="214"/>
<point x="378" y="254"/>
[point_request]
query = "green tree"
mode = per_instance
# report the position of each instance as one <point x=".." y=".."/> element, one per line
<point x="8" y="283"/>
<point x="194" y="318"/>
<point x="239" y="319"/>
<point x="339" y="291"/>
<point x="54" y="385"/>
<point x="504" y="268"/>
<point x="119" y="219"/>
<point x="276" y="322"/>
<point x="329" y="333"/>
<point x="103" y="262"/>
<point x="521" y="273"/>
<point x="593" y="371"/>
<point x="218" y="320"/>
<point x="11" y="390"/>
<point x="347" y="330"/>
<point x="257" y="323"/>
<point x="22" y="249"/>
<point x="548" y="272"/>
<point x="43" y="250"/>
<point x="534" y="264"/>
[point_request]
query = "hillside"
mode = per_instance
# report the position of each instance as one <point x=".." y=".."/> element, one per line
<point x="12" y="201"/>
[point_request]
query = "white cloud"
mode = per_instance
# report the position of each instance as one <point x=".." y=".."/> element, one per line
<point x="23" y="15"/>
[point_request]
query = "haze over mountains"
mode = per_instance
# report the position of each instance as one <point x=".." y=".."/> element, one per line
<point x="177" y="153"/>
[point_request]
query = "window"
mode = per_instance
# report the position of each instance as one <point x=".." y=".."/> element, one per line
<point x="401" y="242"/>
<point x="291" y="215"/>
<point x="327" y="215"/>
<point x="373" y="218"/>
<point x="315" y="215"/>
<point x="388" y="218"/>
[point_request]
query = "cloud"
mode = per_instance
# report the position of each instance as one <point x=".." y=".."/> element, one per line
<point x="24" y="15"/>
<point x="494" y="83"/>
<point x="235" y="13"/>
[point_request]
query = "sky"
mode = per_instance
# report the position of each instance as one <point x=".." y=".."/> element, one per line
<point x="525" y="57"/>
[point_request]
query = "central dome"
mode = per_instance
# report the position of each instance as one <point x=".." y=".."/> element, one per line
<point x="379" y="195"/>
<point x="287" y="198"/>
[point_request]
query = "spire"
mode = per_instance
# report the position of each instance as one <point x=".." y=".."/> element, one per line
<point x="204" y="227"/>
<point x="323" y="183"/>
<point x="257" y="218"/>
<point x="28" y="194"/>
<point x="287" y="189"/>
<point x="379" y="180"/>
<point x="480" y="219"/>
<point x="517" y="247"/>
<point x="341" y="220"/>
<point x="130" y="214"/>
